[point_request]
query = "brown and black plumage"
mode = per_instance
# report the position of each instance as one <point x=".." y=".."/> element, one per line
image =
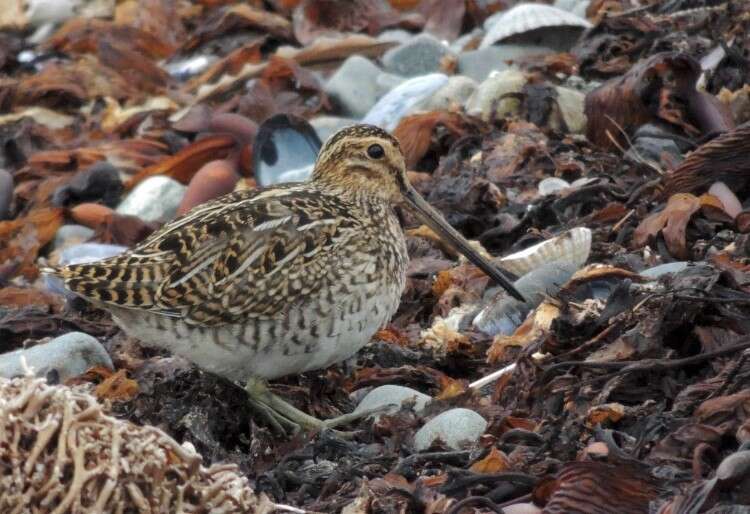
<point x="262" y="284"/>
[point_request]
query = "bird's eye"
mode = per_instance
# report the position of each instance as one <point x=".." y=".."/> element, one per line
<point x="375" y="151"/>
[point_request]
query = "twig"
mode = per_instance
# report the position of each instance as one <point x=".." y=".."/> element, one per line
<point x="478" y="384"/>
<point x="482" y="501"/>
<point x="416" y="458"/>
<point x="647" y="364"/>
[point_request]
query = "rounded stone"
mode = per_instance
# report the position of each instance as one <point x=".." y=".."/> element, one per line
<point x="353" y="88"/>
<point x="455" y="92"/>
<point x="457" y="428"/>
<point x="155" y="199"/>
<point x="69" y="235"/>
<point x="61" y="358"/>
<point x="326" y="126"/>
<point x="419" y="55"/>
<point x="398" y="102"/>
<point x="392" y="397"/>
<point x="551" y="185"/>
<point x="488" y="100"/>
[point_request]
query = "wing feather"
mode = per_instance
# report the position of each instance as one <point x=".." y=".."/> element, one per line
<point x="247" y="255"/>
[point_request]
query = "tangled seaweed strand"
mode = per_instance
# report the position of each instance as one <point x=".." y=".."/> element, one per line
<point x="61" y="453"/>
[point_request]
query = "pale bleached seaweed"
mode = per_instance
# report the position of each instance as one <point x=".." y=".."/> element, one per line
<point x="61" y="453"/>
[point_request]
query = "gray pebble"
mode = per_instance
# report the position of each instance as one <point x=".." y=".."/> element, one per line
<point x="455" y="92"/>
<point x="478" y="64"/>
<point x="353" y="87"/>
<point x="326" y="126"/>
<point x="663" y="269"/>
<point x="387" y="81"/>
<point x="156" y="199"/>
<point x="418" y="56"/>
<point x="486" y="101"/>
<point x="395" y="36"/>
<point x="63" y="357"/>
<point x="455" y="427"/>
<point x="69" y="235"/>
<point x="398" y="102"/>
<point x="6" y="193"/>
<point x="393" y="395"/>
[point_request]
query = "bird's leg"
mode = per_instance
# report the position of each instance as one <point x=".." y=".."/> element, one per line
<point x="281" y="412"/>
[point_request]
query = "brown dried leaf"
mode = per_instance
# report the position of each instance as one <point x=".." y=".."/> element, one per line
<point x="450" y="388"/>
<point x="724" y="159"/>
<point x="185" y="164"/>
<point x="68" y="85"/>
<point x="612" y="412"/>
<point x="415" y="132"/>
<point x="117" y="387"/>
<point x="444" y="17"/>
<point x="232" y="64"/>
<point x="82" y="35"/>
<point x="598" y="487"/>
<point x="315" y="18"/>
<point x="671" y="222"/>
<point x="727" y="412"/>
<point x="19" y="297"/>
<point x="162" y="19"/>
<point x="22" y="238"/>
<point x="237" y="17"/>
<point x="141" y="73"/>
<point x="621" y="105"/>
<point x="495" y="462"/>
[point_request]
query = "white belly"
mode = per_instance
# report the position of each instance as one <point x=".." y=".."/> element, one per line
<point x="270" y="348"/>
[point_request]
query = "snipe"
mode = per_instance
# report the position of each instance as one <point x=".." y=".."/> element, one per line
<point x="261" y="284"/>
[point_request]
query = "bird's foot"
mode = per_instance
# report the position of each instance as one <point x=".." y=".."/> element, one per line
<point x="285" y="417"/>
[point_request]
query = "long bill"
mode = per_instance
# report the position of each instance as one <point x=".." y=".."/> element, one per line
<point x="437" y="223"/>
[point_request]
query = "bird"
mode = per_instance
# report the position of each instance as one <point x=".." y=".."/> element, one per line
<point x="260" y="284"/>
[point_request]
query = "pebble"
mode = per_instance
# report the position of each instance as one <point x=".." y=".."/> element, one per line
<point x="417" y="56"/>
<point x="6" y="193"/>
<point x="485" y="101"/>
<point x="183" y="69"/>
<point x="397" y="103"/>
<point x="455" y="427"/>
<point x="99" y="182"/>
<point x="326" y="126"/>
<point x="571" y="103"/>
<point x="89" y="252"/>
<point x="156" y="199"/>
<point x="61" y="358"/>
<point x="478" y="64"/>
<point x="393" y="395"/>
<point x="552" y="185"/>
<point x="353" y="88"/>
<point x="459" y="45"/>
<point x="651" y="149"/>
<point x="69" y="235"/>
<point x="214" y="179"/>
<point x="387" y="81"/>
<point x="663" y="269"/>
<point x="395" y="36"/>
<point x="456" y="91"/>
<point x="503" y="314"/>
